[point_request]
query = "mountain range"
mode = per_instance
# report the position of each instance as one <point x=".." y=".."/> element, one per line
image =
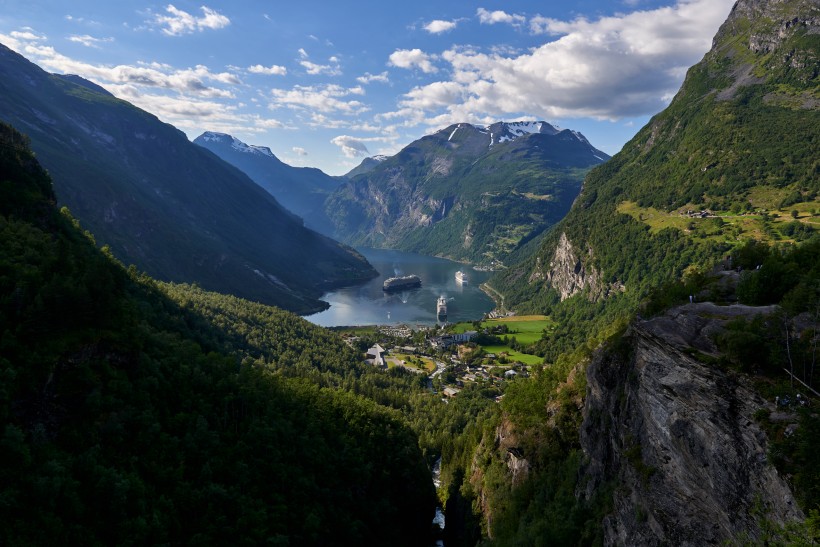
<point x="466" y="192"/>
<point x="164" y="204"/>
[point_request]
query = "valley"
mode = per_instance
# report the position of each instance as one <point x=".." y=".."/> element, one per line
<point x="201" y="343"/>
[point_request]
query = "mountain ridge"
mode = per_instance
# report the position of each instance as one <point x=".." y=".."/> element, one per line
<point x="164" y="204"/>
<point x="738" y="141"/>
<point x="302" y="190"/>
<point x="469" y="193"/>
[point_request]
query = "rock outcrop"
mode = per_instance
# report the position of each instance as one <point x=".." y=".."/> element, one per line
<point x="570" y="274"/>
<point x="679" y="439"/>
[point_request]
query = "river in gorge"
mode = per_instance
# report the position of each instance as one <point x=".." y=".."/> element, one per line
<point x="368" y="304"/>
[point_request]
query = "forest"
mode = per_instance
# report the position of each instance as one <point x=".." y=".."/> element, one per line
<point x="130" y="416"/>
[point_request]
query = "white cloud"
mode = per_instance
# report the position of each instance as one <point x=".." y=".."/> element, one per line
<point x="409" y="58"/>
<point x="438" y="26"/>
<point x="26" y="34"/>
<point x="367" y="78"/>
<point x="299" y="151"/>
<point x="614" y="67"/>
<point x="351" y="146"/>
<point x="316" y="69"/>
<point x="326" y="99"/>
<point x="179" y="22"/>
<point x="498" y="16"/>
<point x="189" y="81"/>
<point x="89" y="41"/>
<point x="273" y="70"/>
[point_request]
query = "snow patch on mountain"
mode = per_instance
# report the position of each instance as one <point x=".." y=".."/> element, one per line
<point x="453" y="133"/>
<point x="236" y="144"/>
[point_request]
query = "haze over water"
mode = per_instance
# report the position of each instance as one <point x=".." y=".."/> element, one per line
<point x="368" y="304"/>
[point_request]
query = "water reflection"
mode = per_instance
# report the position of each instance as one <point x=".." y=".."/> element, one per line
<point x="368" y="304"/>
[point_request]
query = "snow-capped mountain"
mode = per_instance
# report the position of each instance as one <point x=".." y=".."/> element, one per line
<point x="468" y="192"/>
<point x="236" y="144"/>
<point x="301" y="190"/>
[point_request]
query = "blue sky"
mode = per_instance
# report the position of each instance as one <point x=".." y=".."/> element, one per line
<point x="325" y="83"/>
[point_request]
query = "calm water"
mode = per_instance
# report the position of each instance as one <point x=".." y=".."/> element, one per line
<point x="368" y="304"/>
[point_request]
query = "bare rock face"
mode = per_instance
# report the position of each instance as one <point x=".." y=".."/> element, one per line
<point x="507" y="442"/>
<point x="568" y="273"/>
<point x="679" y="438"/>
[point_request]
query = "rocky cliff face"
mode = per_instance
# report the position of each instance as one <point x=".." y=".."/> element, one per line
<point x="570" y="274"/>
<point x="679" y="439"/>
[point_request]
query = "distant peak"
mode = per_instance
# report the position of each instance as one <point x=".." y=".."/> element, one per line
<point x="236" y="144"/>
<point x="509" y="131"/>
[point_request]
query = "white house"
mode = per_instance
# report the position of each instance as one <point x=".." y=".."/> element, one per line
<point x="375" y="356"/>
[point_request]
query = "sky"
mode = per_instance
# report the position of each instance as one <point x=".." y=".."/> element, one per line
<point x="326" y="83"/>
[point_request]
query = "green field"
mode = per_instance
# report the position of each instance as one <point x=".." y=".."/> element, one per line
<point x="413" y="361"/>
<point x="513" y="355"/>
<point x="727" y="226"/>
<point x="526" y="329"/>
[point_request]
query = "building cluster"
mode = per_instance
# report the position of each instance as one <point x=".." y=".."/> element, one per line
<point x="451" y="353"/>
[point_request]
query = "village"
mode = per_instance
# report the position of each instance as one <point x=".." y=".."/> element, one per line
<point x="487" y="353"/>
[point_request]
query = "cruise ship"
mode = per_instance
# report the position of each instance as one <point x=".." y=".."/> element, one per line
<point x="401" y="283"/>
<point x="461" y="277"/>
<point x="441" y="307"/>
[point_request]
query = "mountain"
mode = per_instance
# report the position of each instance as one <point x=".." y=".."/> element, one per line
<point x="367" y="165"/>
<point x="684" y="285"/>
<point x="302" y="190"/>
<point x="467" y="192"/>
<point x="732" y="158"/>
<point x="138" y="412"/>
<point x="166" y="205"/>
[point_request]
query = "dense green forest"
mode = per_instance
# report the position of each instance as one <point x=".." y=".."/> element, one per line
<point x="130" y="417"/>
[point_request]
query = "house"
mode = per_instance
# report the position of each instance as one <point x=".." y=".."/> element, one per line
<point x="451" y="391"/>
<point x="375" y="356"/>
<point x="464" y="336"/>
<point x="510" y="374"/>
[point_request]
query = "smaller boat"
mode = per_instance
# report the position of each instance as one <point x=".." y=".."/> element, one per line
<point x="461" y="277"/>
<point x="441" y="307"/>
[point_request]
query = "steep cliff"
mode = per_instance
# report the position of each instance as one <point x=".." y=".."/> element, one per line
<point x="679" y="437"/>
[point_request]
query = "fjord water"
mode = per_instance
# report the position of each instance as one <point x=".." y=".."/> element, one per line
<point x="368" y="304"/>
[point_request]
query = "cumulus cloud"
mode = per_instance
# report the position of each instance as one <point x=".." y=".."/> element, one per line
<point x="351" y="146"/>
<point x="273" y="70"/>
<point x="486" y="17"/>
<point x="610" y="68"/>
<point x="198" y="81"/>
<point x="27" y="33"/>
<point x="326" y="99"/>
<point x="299" y="151"/>
<point x="438" y="26"/>
<point x="367" y="78"/>
<point x="411" y="58"/>
<point x="315" y="69"/>
<point x="178" y="22"/>
<point x="89" y="41"/>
